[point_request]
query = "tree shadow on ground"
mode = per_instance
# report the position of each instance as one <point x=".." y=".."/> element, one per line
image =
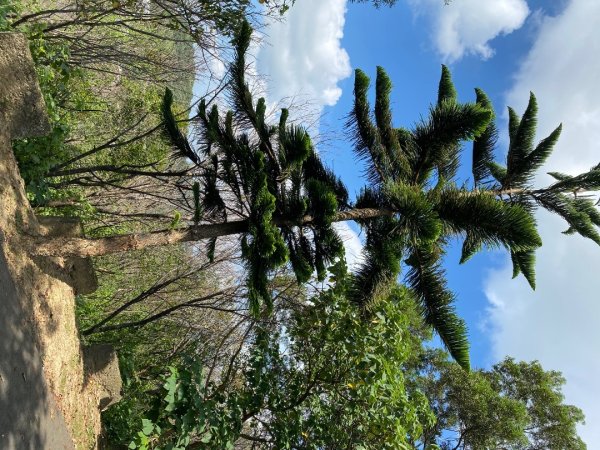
<point x="30" y="418"/>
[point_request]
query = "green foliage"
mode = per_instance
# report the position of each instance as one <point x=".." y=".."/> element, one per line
<point x="523" y="160"/>
<point x="488" y="219"/>
<point x="333" y="363"/>
<point x="524" y="262"/>
<point x="266" y="249"/>
<point x="446" y="89"/>
<point x="36" y="156"/>
<point x="483" y="146"/>
<point x="551" y="423"/>
<point x="412" y="180"/>
<point x="427" y="279"/>
<point x="275" y="178"/>
<point x="172" y="130"/>
<point x="8" y="10"/>
<point x="512" y="405"/>
<point x="521" y="142"/>
<point x="347" y="354"/>
<point x="360" y="364"/>
<point x="188" y="410"/>
<point x="144" y="352"/>
<point x="579" y="213"/>
<point x="399" y="165"/>
<point x="492" y="419"/>
<point x="90" y="102"/>
<point x="438" y="138"/>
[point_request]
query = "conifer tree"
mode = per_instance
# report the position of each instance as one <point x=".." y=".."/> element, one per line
<point x="267" y="183"/>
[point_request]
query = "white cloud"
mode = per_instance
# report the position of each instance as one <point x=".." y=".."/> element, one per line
<point x="467" y="26"/>
<point x="559" y="324"/>
<point x="352" y="244"/>
<point x="302" y="55"/>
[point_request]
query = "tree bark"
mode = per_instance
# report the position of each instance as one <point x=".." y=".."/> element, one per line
<point x="82" y="247"/>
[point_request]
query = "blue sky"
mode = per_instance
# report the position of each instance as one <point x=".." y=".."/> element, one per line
<point x="507" y="48"/>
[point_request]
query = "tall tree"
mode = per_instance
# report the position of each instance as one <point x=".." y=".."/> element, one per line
<point x="267" y="183"/>
<point x="512" y="405"/>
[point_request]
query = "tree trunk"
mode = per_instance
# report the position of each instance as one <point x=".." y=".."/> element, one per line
<point x="66" y="246"/>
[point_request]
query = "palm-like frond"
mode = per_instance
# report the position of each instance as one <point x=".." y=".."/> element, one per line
<point x="176" y="137"/>
<point x="367" y="142"/>
<point x="514" y="120"/>
<point x="427" y="280"/>
<point x="524" y="262"/>
<point x="240" y="92"/>
<point x="213" y="205"/>
<point x="383" y="113"/>
<point x="588" y="181"/>
<point x="522" y="160"/>
<point x="538" y="156"/>
<point x="314" y="168"/>
<point x="497" y="171"/>
<point x="490" y="220"/>
<point x="394" y="159"/>
<point x="416" y="212"/>
<point x="580" y="214"/>
<point x="438" y="137"/>
<point x="471" y="245"/>
<point x="483" y="145"/>
<point x="383" y="251"/>
<point x="521" y="142"/>
<point x="446" y="89"/>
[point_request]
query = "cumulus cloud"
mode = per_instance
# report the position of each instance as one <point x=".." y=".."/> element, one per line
<point x="559" y="324"/>
<point x="302" y="56"/>
<point x="467" y="26"/>
<point x="352" y="244"/>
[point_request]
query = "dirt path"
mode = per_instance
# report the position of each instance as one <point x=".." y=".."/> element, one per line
<point x="29" y="416"/>
<point x="46" y="400"/>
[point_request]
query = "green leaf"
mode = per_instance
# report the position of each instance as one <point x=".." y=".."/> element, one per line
<point x="367" y="142"/>
<point x="471" y="245"/>
<point x="497" y="171"/>
<point x="483" y="146"/>
<point x="521" y="144"/>
<point x="446" y="90"/>
<point x="577" y="214"/>
<point x="147" y="427"/>
<point x="439" y="137"/>
<point x="513" y="123"/>
<point x="172" y="131"/>
<point x="490" y="220"/>
<point x="427" y="280"/>
<point x="526" y="264"/>
<point x="559" y="176"/>
<point x="543" y="150"/>
<point x="515" y="263"/>
<point x="415" y="209"/>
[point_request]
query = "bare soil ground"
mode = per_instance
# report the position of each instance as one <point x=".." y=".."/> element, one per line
<point x="46" y="399"/>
